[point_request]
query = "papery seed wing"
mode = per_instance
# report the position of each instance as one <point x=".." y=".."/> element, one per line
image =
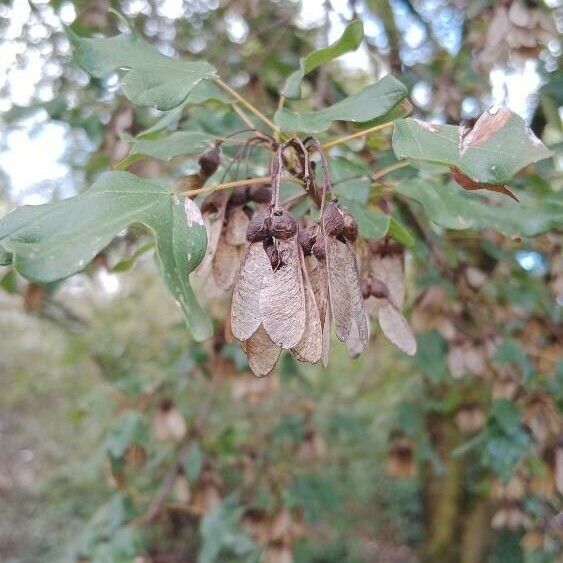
<point x="261" y="352"/>
<point x="282" y="297"/>
<point x="338" y="291"/>
<point x="326" y="337"/>
<point x="397" y="329"/>
<point x="213" y="228"/>
<point x="355" y="344"/>
<point x="390" y="270"/>
<point x="245" y="306"/>
<point x="237" y="224"/>
<point x="359" y="315"/>
<point x="309" y="348"/>
<point x="225" y="264"/>
<point x="319" y="283"/>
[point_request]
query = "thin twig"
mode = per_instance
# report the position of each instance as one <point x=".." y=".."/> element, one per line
<point x="247" y="104"/>
<point x="243" y="116"/>
<point x="363" y="133"/>
<point x="227" y="185"/>
<point x="390" y="168"/>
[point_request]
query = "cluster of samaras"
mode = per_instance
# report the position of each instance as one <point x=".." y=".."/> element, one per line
<point x="292" y="280"/>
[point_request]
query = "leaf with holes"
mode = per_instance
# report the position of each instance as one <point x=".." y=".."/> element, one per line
<point x="53" y="241"/>
<point x="493" y="151"/>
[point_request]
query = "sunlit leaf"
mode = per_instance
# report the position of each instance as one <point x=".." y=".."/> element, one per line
<point x="372" y="224"/>
<point x="150" y="78"/>
<point x="370" y="103"/>
<point x="448" y="206"/>
<point x="173" y="144"/>
<point x="349" y="41"/>
<point x="58" y="239"/>
<point x="493" y="151"/>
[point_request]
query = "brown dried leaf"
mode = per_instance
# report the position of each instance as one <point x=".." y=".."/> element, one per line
<point x="237" y="224"/>
<point x="397" y="329"/>
<point x="213" y="210"/>
<point x="339" y="294"/>
<point x="391" y="271"/>
<point x="245" y="307"/>
<point x="309" y="348"/>
<point x="282" y="297"/>
<point x="261" y="352"/>
<point x="225" y="264"/>
<point x="468" y="183"/>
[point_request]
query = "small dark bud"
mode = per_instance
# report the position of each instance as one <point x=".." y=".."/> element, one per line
<point x="213" y="202"/>
<point x="284" y="225"/>
<point x="273" y="255"/>
<point x="260" y="194"/>
<point x="258" y="228"/>
<point x="366" y="289"/>
<point x="239" y="196"/>
<point x="209" y="161"/>
<point x="319" y="250"/>
<point x="333" y="220"/>
<point x="306" y="239"/>
<point x="379" y="289"/>
<point x="350" y="227"/>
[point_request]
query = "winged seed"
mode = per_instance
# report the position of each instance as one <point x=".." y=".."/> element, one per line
<point x="225" y="263"/>
<point x="309" y="348"/>
<point x="261" y="352"/>
<point x="237" y="224"/>
<point x="338" y="290"/>
<point x="245" y="307"/>
<point x="282" y="297"/>
<point x="397" y="329"/>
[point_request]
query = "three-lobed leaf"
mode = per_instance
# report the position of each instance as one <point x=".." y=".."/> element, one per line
<point x="53" y="241"/>
<point x="151" y="79"/>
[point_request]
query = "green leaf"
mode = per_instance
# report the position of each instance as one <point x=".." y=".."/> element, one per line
<point x="127" y="263"/>
<point x="506" y="415"/>
<point x="370" y="103"/>
<point x="173" y="144"/>
<point x="56" y="240"/>
<point x="400" y="233"/>
<point x="372" y="224"/>
<point x="5" y="257"/>
<point x="431" y="354"/>
<point x="193" y="462"/>
<point x="451" y="207"/>
<point x="151" y="78"/>
<point x="349" y="41"/>
<point x="497" y="147"/>
<point x="131" y="429"/>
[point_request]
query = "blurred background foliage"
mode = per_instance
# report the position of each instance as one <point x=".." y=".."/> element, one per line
<point x="121" y="440"/>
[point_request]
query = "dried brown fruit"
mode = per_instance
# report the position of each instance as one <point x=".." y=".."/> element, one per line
<point x="260" y="194"/>
<point x="284" y="225"/>
<point x="239" y="196"/>
<point x="309" y="348"/>
<point x="209" y="161"/>
<point x="379" y="289"/>
<point x="333" y="220"/>
<point x="350" y="227"/>
<point x="306" y="239"/>
<point x="319" y="249"/>
<point x="245" y="306"/>
<point x="339" y="295"/>
<point x="273" y="254"/>
<point x="225" y="264"/>
<point x="215" y="202"/>
<point x="261" y="352"/>
<point x="258" y="228"/>
<point x="282" y="298"/>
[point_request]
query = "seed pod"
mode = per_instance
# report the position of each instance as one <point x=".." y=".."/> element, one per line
<point x="273" y="255"/>
<point x="209" y="161"/>
<point x="350" y="227"/>
<point x="239" y="196"/>
<point x="333" y="220"/>
<point x="319" y="249"/>
<point x="260" y="194"/>
<point x="378" y="289"/>
<point x="258" y="228"/>
<point x="306" y="239"/>
<point x="214" y="203"/>
<point x="284" y="225"/>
